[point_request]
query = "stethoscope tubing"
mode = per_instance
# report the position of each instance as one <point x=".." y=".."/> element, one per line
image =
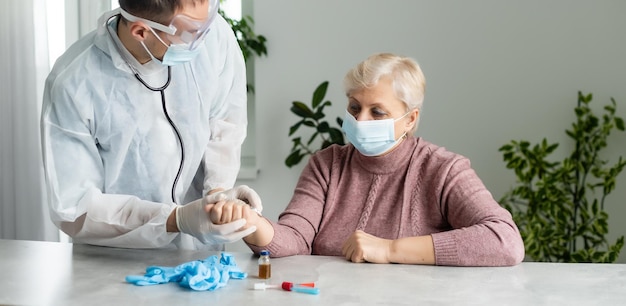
<point x="161" y="90"/>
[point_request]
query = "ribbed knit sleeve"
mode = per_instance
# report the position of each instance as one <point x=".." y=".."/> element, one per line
<point x="483" y="233"/>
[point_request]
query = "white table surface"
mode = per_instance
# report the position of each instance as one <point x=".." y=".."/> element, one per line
<point x="50" y="273"/>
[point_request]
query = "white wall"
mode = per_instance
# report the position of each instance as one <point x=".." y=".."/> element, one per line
<point x="495" y="71"/>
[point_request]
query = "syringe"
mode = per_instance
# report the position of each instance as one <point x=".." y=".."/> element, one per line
<point x="308" y="288"/>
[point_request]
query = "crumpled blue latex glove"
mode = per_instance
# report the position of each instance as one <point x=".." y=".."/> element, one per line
<point x="201" y="275"/>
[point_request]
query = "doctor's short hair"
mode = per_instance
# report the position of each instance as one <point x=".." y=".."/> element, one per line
<point x="407" y="78"/>
<point x="160" y="11"/>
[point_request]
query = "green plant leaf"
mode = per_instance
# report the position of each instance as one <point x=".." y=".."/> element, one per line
<point x="326" y="144"/>
<point x="336" y="136"/>
<point x="552" y="147"/>
<point x="319" y="112"/>
<point x="323" y="127"/>
<point x="524" y="145"/>
<point x="319" y="93"/>
<point x="619" y="123"/>
<point x="595" y="208"/>
<point x="294" y="158"/>
<point x="295" y="127"/>
<point x="312" y="138"/>
<point x="339" y="121"/>
<point x="301" y="110"/>
<point x="296" y="142"/>
<point x="506" y="147"/>
<point x="320" y="107"/>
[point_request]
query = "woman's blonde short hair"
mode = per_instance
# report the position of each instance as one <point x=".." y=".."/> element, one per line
<point x="406" y="75"/>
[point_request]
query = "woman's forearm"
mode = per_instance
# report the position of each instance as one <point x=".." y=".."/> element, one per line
<point x="413" y="250"/>
<point x="263" y="235"/>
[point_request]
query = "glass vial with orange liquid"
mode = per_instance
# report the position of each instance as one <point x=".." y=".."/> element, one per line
<point x="265" y="268"/>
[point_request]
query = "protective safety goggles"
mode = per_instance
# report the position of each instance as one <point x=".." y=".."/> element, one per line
<point x="182" y="30"/>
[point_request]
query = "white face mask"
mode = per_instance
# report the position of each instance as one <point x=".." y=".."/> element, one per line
<point x="371" y="137"/>
<point x="176" y="53"/>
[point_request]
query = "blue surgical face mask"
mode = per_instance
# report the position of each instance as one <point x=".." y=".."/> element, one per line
<point x="180" y="54"/>
<point x="176" y="53"/>
<point x="371" y="137"/>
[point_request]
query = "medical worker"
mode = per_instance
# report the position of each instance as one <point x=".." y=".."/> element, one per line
<point x="142" y="126"/>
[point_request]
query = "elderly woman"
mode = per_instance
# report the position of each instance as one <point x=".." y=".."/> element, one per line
<point x="388" y="197"/>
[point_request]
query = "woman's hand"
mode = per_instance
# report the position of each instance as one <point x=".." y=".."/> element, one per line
<point x="226" y="211"/>
<point x="363" y="247"/>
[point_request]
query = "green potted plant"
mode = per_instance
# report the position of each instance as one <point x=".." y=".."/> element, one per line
<point x="250" y="43"/>
<point x="313" y="117"/>
<point x="559" y="206"/>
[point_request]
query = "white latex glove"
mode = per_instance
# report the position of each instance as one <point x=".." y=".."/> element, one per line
<point x="242" y="192"/>
<point x="192" y="219"/>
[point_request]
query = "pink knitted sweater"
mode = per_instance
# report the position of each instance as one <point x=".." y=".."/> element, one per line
<point x="417" y="189"/>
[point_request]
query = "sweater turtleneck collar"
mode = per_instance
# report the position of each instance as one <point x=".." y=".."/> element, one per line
<point x="390" y="161"/>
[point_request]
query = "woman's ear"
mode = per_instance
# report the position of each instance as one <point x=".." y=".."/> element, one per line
<point x="413" y="115"/>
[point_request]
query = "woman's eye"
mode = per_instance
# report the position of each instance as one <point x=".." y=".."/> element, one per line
<point x="378" y="113"/>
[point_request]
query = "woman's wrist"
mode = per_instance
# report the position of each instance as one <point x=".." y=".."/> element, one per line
<point x="263" y="235"/>
<point x="170" y="223"/>
<point x="412" y="250"/>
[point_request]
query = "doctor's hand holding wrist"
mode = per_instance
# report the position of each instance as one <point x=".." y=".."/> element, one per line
<point x="241" y="192"/>
<point x="193" y="218"/>
<point x="229" y="211"/>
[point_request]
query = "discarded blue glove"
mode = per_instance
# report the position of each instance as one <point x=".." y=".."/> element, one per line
<point x="201" y="275"/>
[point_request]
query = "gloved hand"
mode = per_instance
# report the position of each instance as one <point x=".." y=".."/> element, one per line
<point x="241" y="192"/>
<point x="192" y="219"/>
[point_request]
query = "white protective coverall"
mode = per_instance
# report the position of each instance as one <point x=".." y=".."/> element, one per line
<point x="109" y="151"/>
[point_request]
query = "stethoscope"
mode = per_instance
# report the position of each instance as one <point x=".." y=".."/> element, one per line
<point x="164" y="106"/>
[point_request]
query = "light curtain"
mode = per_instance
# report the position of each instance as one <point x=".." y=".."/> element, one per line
<point x="24" y="65"/>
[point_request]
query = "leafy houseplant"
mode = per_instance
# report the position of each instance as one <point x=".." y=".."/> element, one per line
<point x="312" y="117"/>
<point x="559" y="206"/>
<point x="249" y="42"/>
